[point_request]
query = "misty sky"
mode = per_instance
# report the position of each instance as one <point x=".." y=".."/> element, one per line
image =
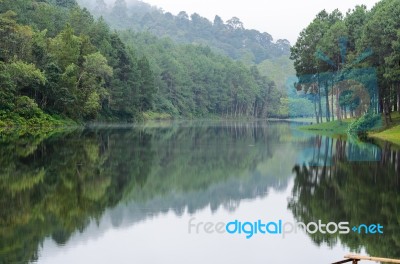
<point x="280" y="18"/>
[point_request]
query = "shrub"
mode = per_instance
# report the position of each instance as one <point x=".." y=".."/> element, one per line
<point x="366" y="123"/>
<point x="27" y="107"/>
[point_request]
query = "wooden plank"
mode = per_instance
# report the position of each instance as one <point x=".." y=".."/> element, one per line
<point x="372" y="258"/>
<point x="345" y="261"/>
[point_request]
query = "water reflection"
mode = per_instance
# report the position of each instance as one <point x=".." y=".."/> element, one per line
<point x="100" y="178"/>
<point x="53" y="187"/>
<point x="346" y="189"/>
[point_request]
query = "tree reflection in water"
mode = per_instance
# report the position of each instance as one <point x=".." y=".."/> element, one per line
<point x="334" y="186"/>
<point x="55" y="186"/>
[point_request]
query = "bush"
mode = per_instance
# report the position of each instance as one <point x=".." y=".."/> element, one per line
<point x="27" y="107"/>
<point x="366" y="123"/>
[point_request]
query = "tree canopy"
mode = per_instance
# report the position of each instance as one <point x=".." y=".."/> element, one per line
<point x="361" y="46"/>
<point x="70" y="64"/>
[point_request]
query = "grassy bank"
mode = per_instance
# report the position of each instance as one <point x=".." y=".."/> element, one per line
<point x="334" y="127"/>
<point x="392" y="135"/>
<point x="389" y="133"/>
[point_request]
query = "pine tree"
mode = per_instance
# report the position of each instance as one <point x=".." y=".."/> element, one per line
<point x="147" y="87"/>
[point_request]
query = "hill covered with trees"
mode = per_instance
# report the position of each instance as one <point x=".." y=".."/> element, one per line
<point x="59" y="62"/>
<point x="230" y="37"/>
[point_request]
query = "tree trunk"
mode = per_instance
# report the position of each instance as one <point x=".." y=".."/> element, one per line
<point x="384" y="111"/>
<point x="398" y="97"/>
<point x="236" y="109"/>
<point x="319" y="103"/>
<point x="333" y="113"/>
<point x="328" y="115"/>
<point x="315" y="109"/>
<point x="389" y="108"/>
<point x="320" y="107"/>
<point x="338" y="114"/>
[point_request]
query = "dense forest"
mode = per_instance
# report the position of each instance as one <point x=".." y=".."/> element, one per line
<point x="230" y="38"/>
<point x="57" y="59"/>
<point x="60" y="63"/>
<point x="132" y="62"/>
<point x="350" y="64"/>
<point x="192" y="80"/>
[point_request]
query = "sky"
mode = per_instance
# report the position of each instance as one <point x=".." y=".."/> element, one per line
<point x="283" y="19"/>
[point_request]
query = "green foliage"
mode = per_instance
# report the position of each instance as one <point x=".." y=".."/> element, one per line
<point x="92" y="105"/>
<point x="24" y="75"/>
<point x="294" y="108"/>
<point x="278" y="69"/>
<point x="65" y="48"/>
<point x="147" y="87"/>
<point x="69" y="63"/>
<point x="26" y="107"/>
<point x="368" y="122"/>
<point x="72" y="65"/>
<point x="227" y="37"/>
<point x="156" y="116"/>
<point x="16" y="39"/>
<point x="193" y="81"/>
<point x="66" y="3"/>
<point x="341" y="44"/>
<point x="28" y="118"/>
<point x="96" y="64"/>
<point x="336" y="127"/>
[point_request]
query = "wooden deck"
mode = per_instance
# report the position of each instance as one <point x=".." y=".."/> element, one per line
<point x="356" y="258"/>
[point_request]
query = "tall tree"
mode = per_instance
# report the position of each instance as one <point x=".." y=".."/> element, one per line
<point x="147" y="86"/>
<point x="380" y="33"/>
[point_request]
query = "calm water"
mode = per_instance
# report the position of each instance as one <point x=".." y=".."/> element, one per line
<point x="126" y="195"/>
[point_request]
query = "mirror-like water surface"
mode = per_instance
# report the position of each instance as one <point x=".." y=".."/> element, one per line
<point x="128" y="195"/>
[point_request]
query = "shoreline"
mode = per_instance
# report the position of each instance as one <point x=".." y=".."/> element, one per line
<point x="340" y="128"/>
<point x="333" y="128"/>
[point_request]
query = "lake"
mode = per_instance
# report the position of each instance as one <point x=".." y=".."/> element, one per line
<point x="154" y="193"/>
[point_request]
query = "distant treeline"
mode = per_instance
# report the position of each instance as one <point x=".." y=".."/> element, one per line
<point x="230" y="37"/>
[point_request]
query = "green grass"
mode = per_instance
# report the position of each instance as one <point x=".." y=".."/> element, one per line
<point x="334" y="127"/>
<point x="389" y="133"/>
<point x="392" y="135"/>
